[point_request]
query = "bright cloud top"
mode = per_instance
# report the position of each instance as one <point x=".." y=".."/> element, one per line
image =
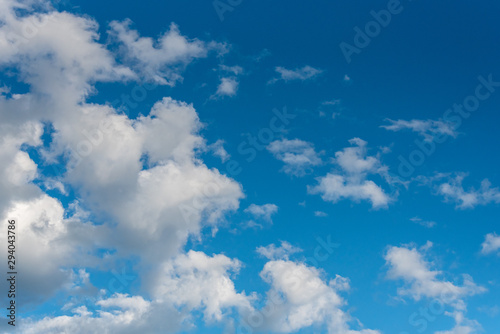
<point x="429" y="129"/>
<point x="351" y="180"/>
<point x="299" y="156"/>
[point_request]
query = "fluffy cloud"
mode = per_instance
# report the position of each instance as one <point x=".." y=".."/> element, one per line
<point x="305" y="73"/>
<point x="299" y="156"/>
<point x="275" y="253"/>
<point x="47" y="236"/>
<point x="299" y="298"/>
<point x="118" y="314"/>
<point x="161" y="60"/>
<point x="351" y="180"/>
<point x="227" y="87"/>
<point x="491" y="244"/>
<point x="454" y="191"/>
<point x="429" y="129"/>
<point x="142" y="179"/>
<point x="200" y="282"/>
<point x="262" y="213"/>
<point x="421" y="281"/>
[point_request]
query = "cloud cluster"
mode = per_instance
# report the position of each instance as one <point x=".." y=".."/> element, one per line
<point x="421" y="281"/>
<point x="351" y="181"/>
<point x="299" y="156"/>
<point x="454" y="191"/>
<point x="429" y="129"/>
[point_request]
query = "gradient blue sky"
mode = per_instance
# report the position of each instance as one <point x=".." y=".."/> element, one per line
<point x="332" y="172"/>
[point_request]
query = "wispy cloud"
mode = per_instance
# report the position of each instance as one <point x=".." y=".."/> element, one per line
<point x="491" y="244"/>
<point x="301" y="74"/>
<point x="299" y="156"/>
<point x="429" y="129"/>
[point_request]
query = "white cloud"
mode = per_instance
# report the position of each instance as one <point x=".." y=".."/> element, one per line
<point x="141" y="179"/>
<point x="161" y="60"/>
<point x="282" y="252"/>
<point x="227" y="87"/>
<point x="299" y="299"/>
<point x="48" y="237"/>
<point x="454" y="191"/>
<point x="200" y="282"/>
<point x="218" y="150"/>
<point x="236" y="70"/>
<point x="351" y="181"/>
<point x="491" y="244"/>
<point x="320" y="214"/>
<point x="299" y="156"/>
<point x="429" y="129"/>
<point x="261" y="212"/>
<point x="420" y="221"/>
<point x="118" y="314"/>
<point x="421" y="281"/>
<point x="305" y="73"/>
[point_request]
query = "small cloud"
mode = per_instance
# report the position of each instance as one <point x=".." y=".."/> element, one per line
<point x="218" y="150"/>
<point x="262" y="212"/>
<point x="320" y="214"/>
<point x="305" y="73"/>
<point x="282" y="252"/>
<point x="429" y="129"/>
<point x="425" y="223"/>
<point x="236" y="70"/>
<point x="492" y="311"/>
<point x="453" y="190"/>
<point x="227" y="87"/>
<point x="299" y="156"/>
<point x="351" y="181"/>
<point x="491" y="244"/>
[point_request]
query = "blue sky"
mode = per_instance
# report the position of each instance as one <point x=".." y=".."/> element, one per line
<point x="243" y="166"/>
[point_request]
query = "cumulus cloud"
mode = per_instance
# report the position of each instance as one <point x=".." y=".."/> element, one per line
<point x="429" y="129"/>
<point x="261" y="213"/>
<point x="299" y="156"/>
<point x="120" y="313"/>
<point x="299" y="298"/>
<point x="409" y="265"/>
<point x="283" y="252"/>
<point x="491" y="244"/>
<point x="305" y="73"/>
<point x="228" y="87"/>
<point x="351" y="180"/>
<point x="200" y="282"/>
<point x="141" y="179"/>
<point x="161" y="60"/>
<point x="454" y="191"/>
